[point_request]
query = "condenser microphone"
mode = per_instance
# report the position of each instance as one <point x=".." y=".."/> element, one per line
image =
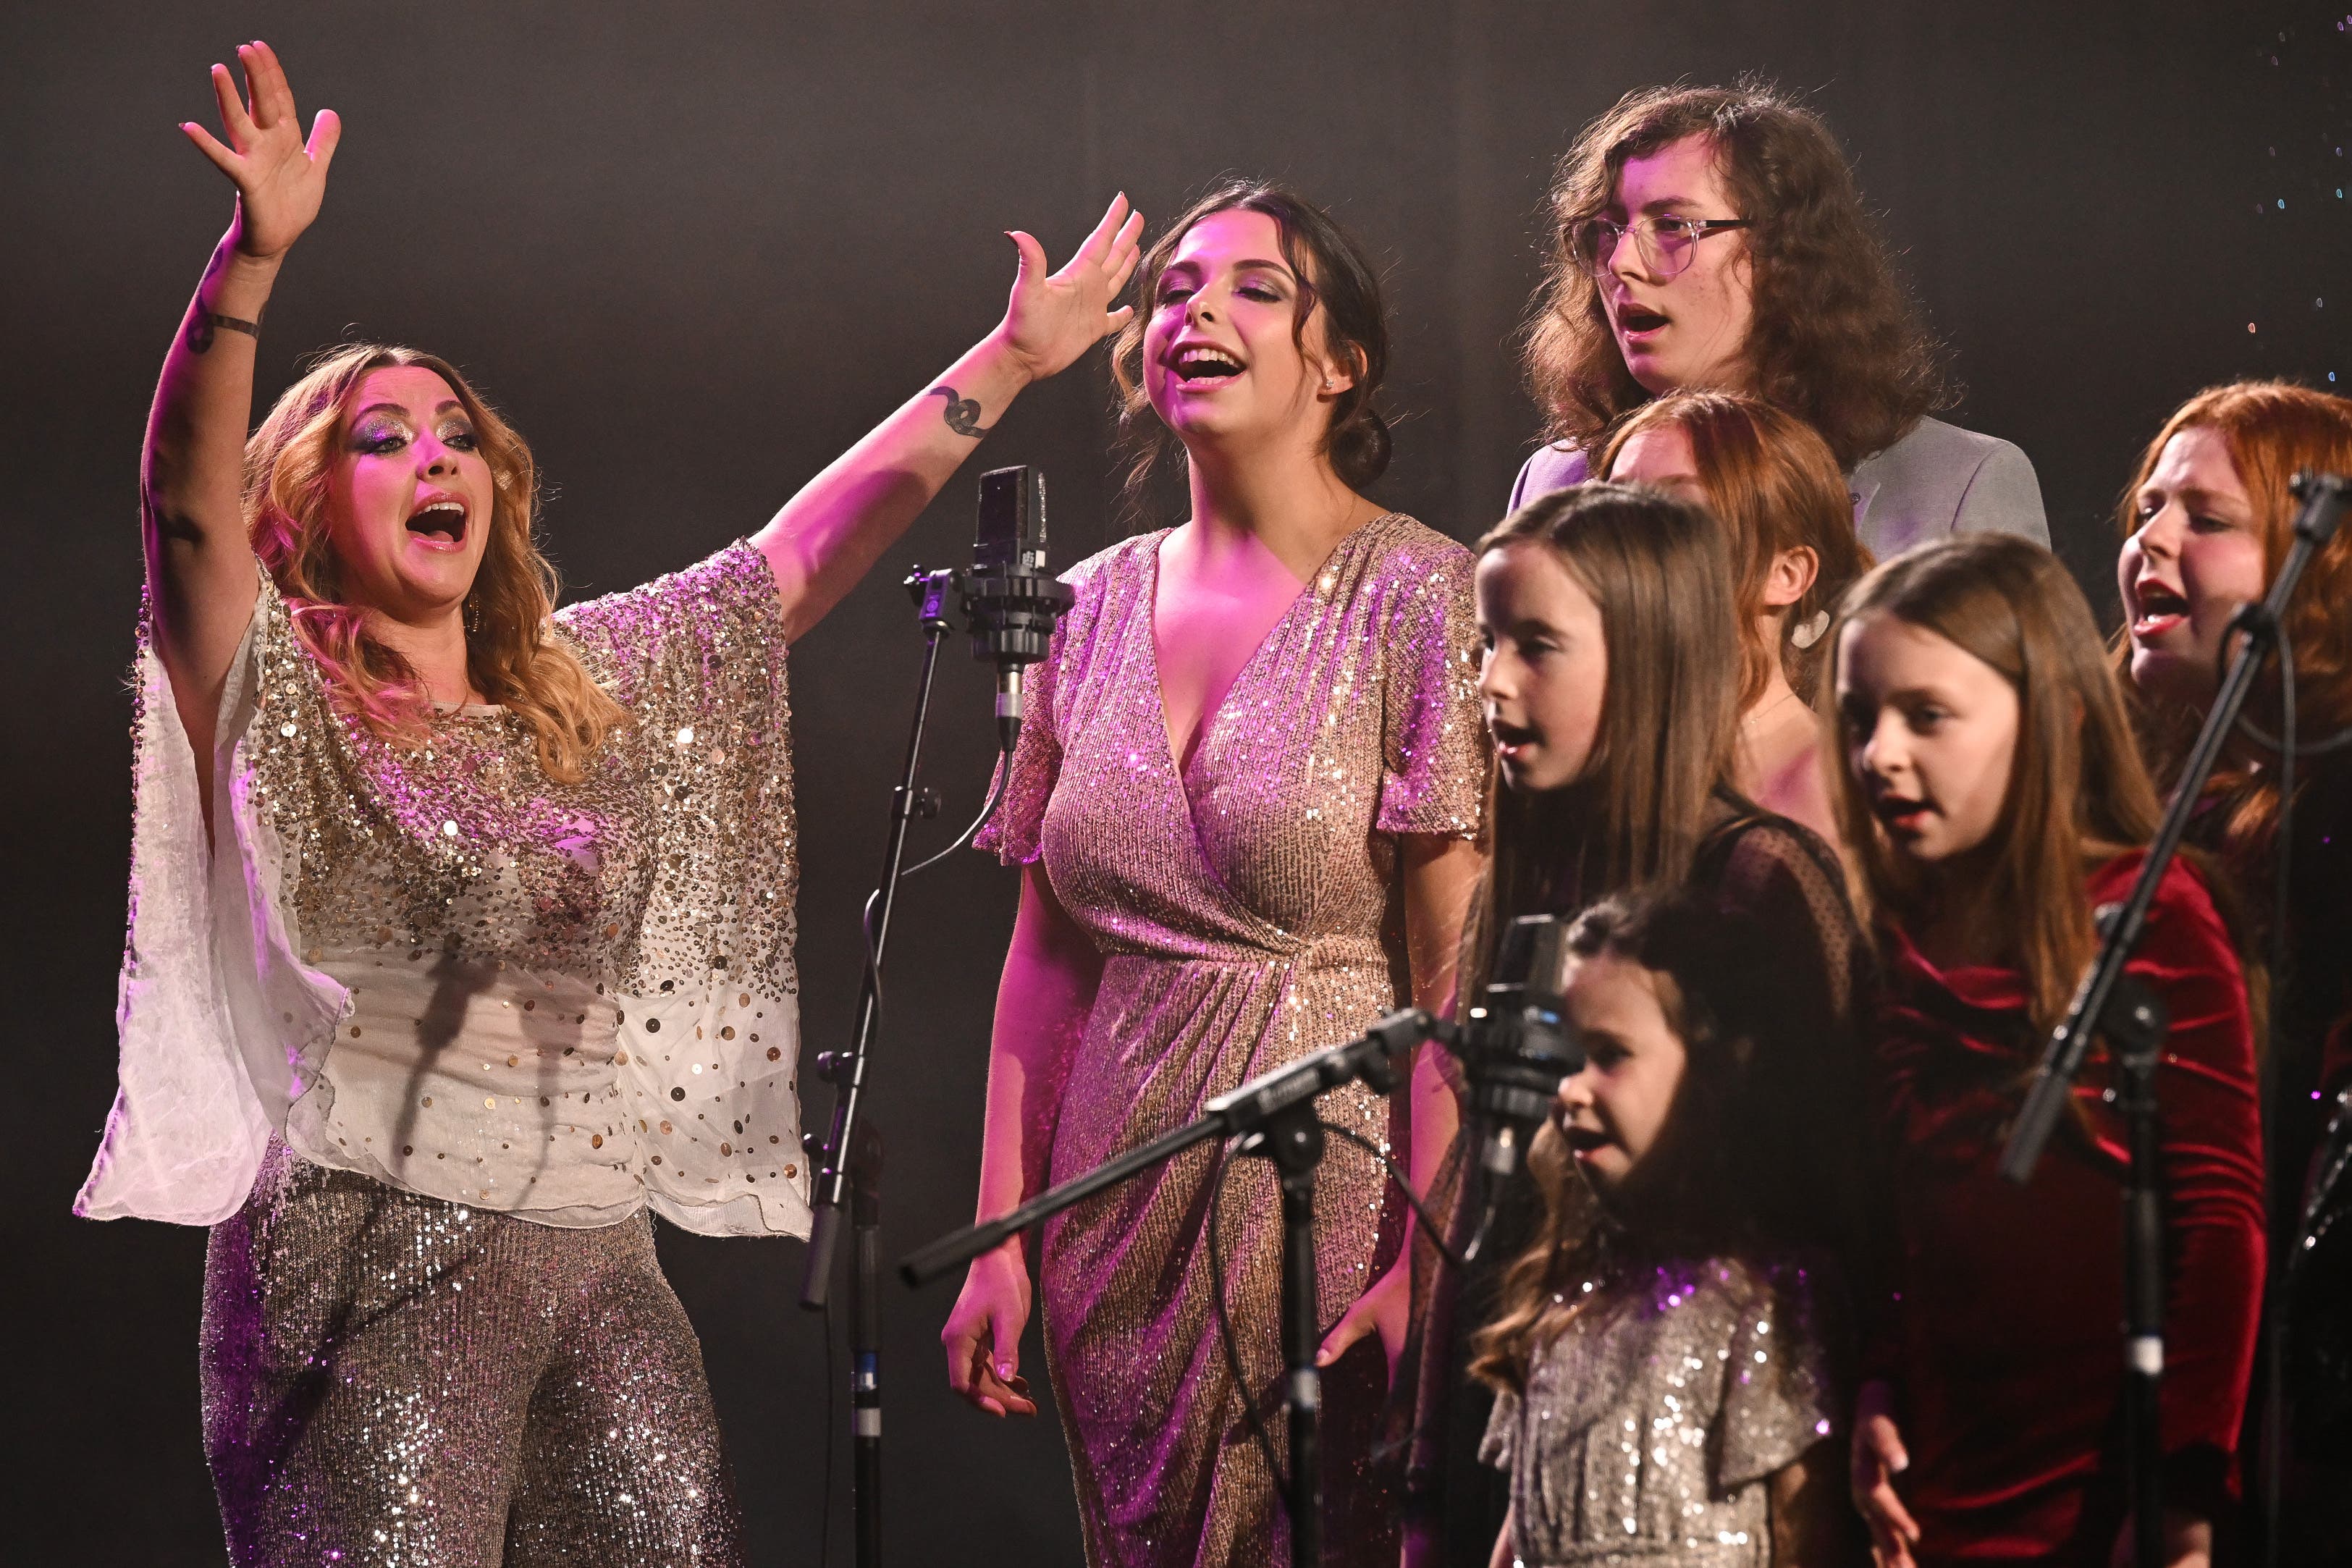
<point x="1010" y="601"/>
<point x="1514" y="1046"/>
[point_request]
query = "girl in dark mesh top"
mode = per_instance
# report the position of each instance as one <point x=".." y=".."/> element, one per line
<point x="1611" y="683"/>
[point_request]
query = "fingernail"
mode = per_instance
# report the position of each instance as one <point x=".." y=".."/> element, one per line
<point x="1004" y="1369"/>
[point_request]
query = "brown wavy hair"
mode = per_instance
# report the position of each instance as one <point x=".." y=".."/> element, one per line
<point x="1835" y="340"/>
<point x="512" y="654"/>
<point x="1739" y="1168"/>
<point x="1775" y="484"/>
<point x="1334" y="276"/>
<point x="2078" y="792"/>
<point x="2275" y="430"/>
<point x="1660" y="572"/>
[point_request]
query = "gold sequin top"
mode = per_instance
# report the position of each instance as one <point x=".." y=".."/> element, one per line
<point x="1652" y="1424"/>
<point x="439" y="967"/>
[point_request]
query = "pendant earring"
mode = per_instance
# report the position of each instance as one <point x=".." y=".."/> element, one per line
<point x="473" y="616"/>
<point x="1810" y="632"/>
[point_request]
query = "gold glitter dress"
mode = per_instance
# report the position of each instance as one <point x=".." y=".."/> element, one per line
<point x="1650" y="1428"/>
<point x="422" y="1034"/>
<point x="1248" y="912"/>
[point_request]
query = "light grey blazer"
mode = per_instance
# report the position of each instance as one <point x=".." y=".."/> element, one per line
<point x="1937" y="481"/>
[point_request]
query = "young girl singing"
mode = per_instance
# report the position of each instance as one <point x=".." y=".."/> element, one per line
<point x="1612" y="681"/>
<point x="1670" y="1351"/>
<point x="1996" y="798"/>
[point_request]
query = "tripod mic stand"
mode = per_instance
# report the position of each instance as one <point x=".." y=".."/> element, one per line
<point x="2137" y="1027"/>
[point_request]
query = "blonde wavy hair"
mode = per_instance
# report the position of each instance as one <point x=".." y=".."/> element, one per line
<point x="511" y="652"/>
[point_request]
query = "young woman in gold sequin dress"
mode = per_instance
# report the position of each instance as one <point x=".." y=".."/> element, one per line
<point x="1245" y="806"/>
<point x="461" y="935"/>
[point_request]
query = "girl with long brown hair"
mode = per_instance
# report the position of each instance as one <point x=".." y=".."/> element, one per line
<point x="1994" y="794"/>
<point x="461" y="935"/>
<point x="2206" y="520"/>
<point x="1672" y="1352"/>
<point x="1612" y="685"/>
<point x="1775" y="487"/>
<point x="1713" y="237"/>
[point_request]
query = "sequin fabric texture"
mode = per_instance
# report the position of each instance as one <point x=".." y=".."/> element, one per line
<point x="1249" y="910"/>
<point x="563" y="997"/>
<point x="391" y="1381"/>
<point x="1652" y="1424"/>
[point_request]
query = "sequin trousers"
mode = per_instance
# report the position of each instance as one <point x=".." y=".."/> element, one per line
<point x="1248" y="907"/>
<point x="391" y="1381"/>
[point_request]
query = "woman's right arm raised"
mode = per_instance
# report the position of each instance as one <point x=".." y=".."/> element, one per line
<point x="200" y="569"/>
<point x="1052" y="971"/>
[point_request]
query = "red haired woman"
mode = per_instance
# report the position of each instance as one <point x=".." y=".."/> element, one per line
<point x="2207" y="519"/>
<point x="461" y="934"/>
<point x="1713" y="237"/>
<point x="1774" y="485"/>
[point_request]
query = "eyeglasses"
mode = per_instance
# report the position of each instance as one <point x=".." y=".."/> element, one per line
<point x="1665" y="243"/>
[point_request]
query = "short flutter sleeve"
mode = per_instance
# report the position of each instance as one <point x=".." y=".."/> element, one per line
<point x="1784" y="1388"/>
<point x="1433" y="744"/>
<point x="1500" y="1446"/>
<point x="711" y="1006"/>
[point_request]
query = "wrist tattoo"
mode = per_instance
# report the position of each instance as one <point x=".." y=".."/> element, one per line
<point x="963" y="413"/>
<point x="202" y="321"/>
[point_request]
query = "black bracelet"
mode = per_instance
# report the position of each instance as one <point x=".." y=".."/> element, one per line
<point x="201" y="322"/>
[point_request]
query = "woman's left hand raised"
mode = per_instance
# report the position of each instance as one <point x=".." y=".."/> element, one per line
<point x="1052" y="318"/>
<point x="281" y="180"/>
<point x="1386" y="1307"/>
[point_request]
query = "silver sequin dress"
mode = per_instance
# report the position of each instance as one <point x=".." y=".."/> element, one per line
<point x="1249" y="910"/>
<point x="1652" y="1424"/>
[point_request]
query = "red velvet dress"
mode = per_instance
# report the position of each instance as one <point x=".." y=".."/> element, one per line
<point x="2004" y="1344"/>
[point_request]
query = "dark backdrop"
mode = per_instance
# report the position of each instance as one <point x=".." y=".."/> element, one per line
<point x="696" y="250"/>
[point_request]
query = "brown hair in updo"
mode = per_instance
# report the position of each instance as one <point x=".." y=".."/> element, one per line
<point x="1334" y="276"/>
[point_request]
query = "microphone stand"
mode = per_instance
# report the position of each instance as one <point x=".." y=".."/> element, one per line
<point x="1274" y="1116"/>
<point x="848" y="1158"/>
<point x="2137" y="1028"/>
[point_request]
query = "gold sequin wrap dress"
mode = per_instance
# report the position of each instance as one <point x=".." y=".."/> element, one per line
<point x="1248" y="913"/>
<point x="422" y="1036"/>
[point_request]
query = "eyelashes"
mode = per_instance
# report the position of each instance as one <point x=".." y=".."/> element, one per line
<point x="374" y="440"/>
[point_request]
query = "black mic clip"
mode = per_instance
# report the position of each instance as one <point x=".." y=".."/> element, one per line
<point x="1010" y="602"/>
<point x="1515" y="1047"/>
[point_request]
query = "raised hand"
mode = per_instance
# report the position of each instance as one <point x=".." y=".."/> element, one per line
<point x="1052" y="320"/>
<point x="279" y="180"/>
